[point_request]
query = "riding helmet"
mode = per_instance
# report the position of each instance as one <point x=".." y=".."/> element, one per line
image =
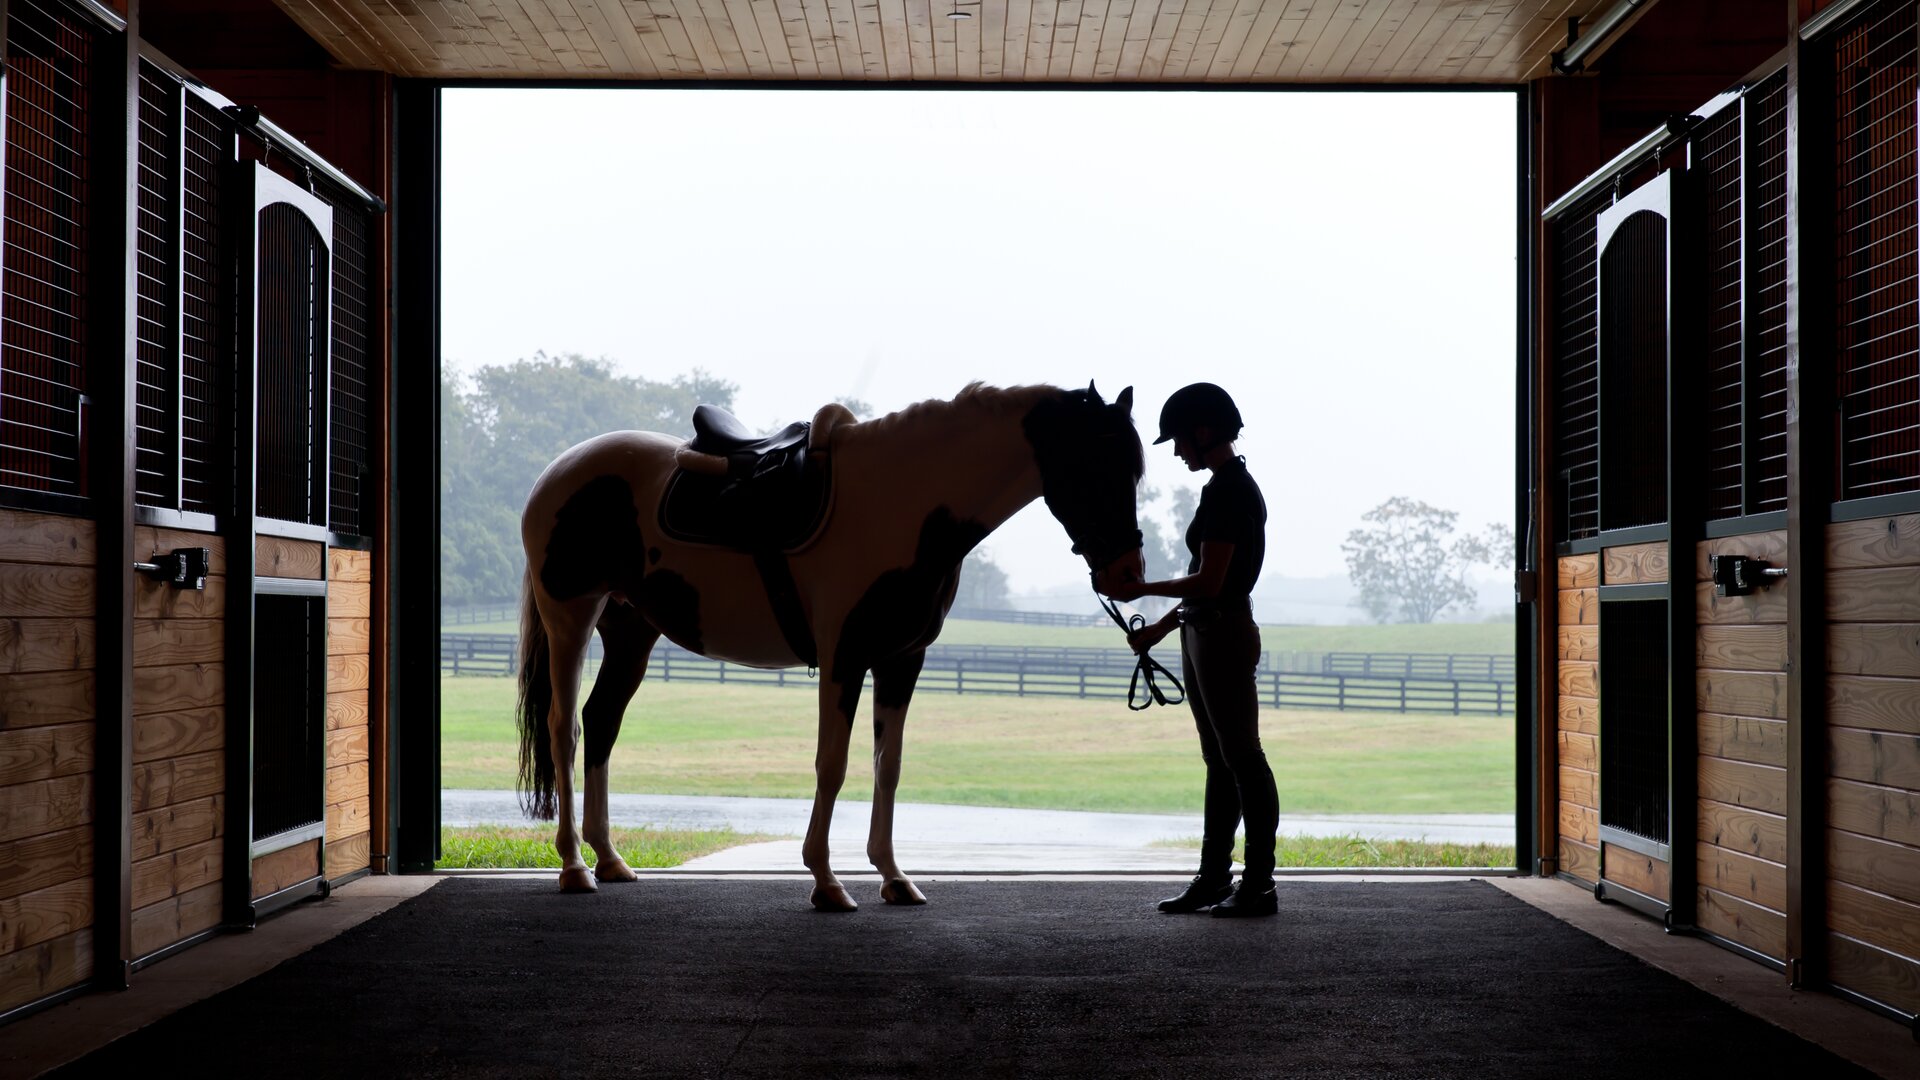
<point x="1198" y="405"/>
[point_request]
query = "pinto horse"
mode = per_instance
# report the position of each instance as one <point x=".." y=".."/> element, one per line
<point x="866" y="589"/>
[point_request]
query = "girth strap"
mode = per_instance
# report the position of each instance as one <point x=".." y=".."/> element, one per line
<point x="784" y="595"/>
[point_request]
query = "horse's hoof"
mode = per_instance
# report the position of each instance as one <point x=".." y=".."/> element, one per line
<point x="614" y="870"/>
<point x="575" y="879"/>
<point x="831" y="898"/>
<point x="902" y="892"/>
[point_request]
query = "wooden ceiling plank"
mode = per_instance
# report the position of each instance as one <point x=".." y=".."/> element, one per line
<point x="623" y="52"/>
<point x="693" y="23"/>
<point x="547" y="25"/>
<point x="1497" y="53"/>
<point x="1552" y="36"/>
<point x="684" y="61"/>
<point x="1040" y="29"/>
<point x="590" y="47"/>
<point x="773" y="37"/>
<point x="478" y="53"/>
<point x="1312" y="40"/>
<point x="793" y="25"/>
<point x="745" y="21"/>
<point x="347" y="41"/>
<point x="946" y="42"/>
<point x="1259" y="36"/>
<point x="516" y="34"/>
<point x="1212" y="32"/>
<point x="1456" y="44"/>
<point x="1423" y="53"/>
<point x="1066" y="34"/>
<point x="1481" y="40"/>
<point x="732" y="48"/>
<point x="966" y="46"/>
<point x="1336" y="64"/>
<point x="1234" y="38"/>
<point x="1133" y="48"/>
<point x="511" y="58"/>
<point x="993" y="39"/>
<point x="893" y="39"/>
<point x="1166" y="23"/>
<point x="1286" y="40"/>
<point x="1365" y="61"/>
<point x="920" y="39"/>
<point x="865" y="15"/>
<point x="430" y="19"/>
<point x="820" y="32"/>
<point x="1404" y="35"/>
<point x="1086" y="45"/>
<point x="1185" y="37"/>
<point x="1013" y="53"/>
<point x="1113" y="39"/>
<point x="406" y="36"/>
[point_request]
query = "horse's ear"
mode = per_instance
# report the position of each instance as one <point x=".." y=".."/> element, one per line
<point x="1093" y="393"/>
<point x="1125" y="401"/>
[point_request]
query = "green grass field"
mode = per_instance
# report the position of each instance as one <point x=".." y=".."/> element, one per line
<point x="492" y="847"/>
<point x="1429" y="638"/>
<point x="705" y="739"/>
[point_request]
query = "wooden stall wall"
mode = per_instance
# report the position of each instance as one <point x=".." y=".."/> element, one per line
<point x="46" y="754"/>
<point x="1635" y="564"/>
<point x="1873" y="749"/>
<point x="179" y="744"/>
<point x="349" y="661"/>
<point x="305" y="559"/>
<point x="1579" y="712"/>
<point x="1741" y="694"/>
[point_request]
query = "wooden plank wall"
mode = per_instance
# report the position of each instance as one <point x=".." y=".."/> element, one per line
<point x="1740" y="686"/>
<point x="1873" y="751"/>
<point x="349" y="637"/>
<point x="1579" y="723"/>
<point x="1635" y="564"/>
<point x="47" y="580"/>
<point x="179" y="740"/>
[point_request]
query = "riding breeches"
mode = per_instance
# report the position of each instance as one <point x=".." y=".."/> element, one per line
<point x="1219" y="658"/>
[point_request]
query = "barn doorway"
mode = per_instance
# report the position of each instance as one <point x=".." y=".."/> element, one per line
<point x="777" y="250"/>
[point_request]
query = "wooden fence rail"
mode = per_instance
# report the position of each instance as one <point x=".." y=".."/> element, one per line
<point x="1042" y="672"/>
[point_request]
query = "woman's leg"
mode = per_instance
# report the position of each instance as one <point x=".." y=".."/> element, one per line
<point x="1223" y="793"/>
<point x="1224" y="656"/>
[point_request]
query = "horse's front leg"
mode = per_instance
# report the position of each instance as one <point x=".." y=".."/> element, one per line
<point x="838" y="700"/>
<point x="569" y="628"/>
<point x="628" y="641"/>
<point x="893" y="684"/>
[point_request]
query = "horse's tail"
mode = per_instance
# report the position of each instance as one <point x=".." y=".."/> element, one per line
<point x="536" y="698"/>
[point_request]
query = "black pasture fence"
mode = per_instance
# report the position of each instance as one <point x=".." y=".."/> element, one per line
<point x="1026" y="671"/>
<point x="1482" y="666"/>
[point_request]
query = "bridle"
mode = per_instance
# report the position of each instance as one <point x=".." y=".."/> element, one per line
<point x="1146" y="666"/>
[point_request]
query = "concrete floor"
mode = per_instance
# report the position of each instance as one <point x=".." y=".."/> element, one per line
<point x="69" y="1031"/>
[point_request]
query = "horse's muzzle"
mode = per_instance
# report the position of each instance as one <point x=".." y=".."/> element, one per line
<point x="1131" y="566"/>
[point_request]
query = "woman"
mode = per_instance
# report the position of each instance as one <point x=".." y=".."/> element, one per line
<point x="1219" y="649"/>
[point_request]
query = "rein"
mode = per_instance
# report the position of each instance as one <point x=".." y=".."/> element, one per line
<point x="1146" y="665"/>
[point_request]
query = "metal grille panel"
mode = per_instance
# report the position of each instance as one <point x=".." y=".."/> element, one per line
<point x="1717" y="157"/>
<point x="43" y="340"/>
<point x="293" y="275"/>
<point x="1576" y="371"/>
<point x="157" y="243"/>
<point x="289" y="716"/>
<point x="351" y="385"/>
<point x="206" y="329"/>
<point x="1634" y="702"/>
<point x="1767" y="317"/>
<point x="1879" y="343"/>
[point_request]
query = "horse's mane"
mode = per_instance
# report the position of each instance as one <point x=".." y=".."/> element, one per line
<point x="974" y="400"/>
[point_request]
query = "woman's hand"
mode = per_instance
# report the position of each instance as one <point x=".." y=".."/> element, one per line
<point x="1148" y="636"/>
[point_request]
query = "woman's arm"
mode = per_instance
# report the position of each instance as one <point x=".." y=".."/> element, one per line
<point x="1204" y="583"/>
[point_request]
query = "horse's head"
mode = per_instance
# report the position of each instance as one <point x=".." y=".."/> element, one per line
<point x="1090" y="462"/>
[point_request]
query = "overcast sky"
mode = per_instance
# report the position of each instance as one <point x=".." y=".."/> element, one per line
<point x="1343" y="263"/>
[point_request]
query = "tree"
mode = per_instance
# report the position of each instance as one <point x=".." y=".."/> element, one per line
<point x="1407" y="564"/>
<point x="982" y="583"/>
<point x="499" y="429"/>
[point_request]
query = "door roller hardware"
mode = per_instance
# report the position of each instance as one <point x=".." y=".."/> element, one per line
<point x="184" y="568"/>
<point x="1738" y="575"/>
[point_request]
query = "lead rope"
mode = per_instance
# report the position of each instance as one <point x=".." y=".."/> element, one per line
<point x="1146" y="666"/>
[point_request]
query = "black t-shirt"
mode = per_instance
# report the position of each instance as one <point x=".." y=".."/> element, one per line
<point x="1231" y="511"/>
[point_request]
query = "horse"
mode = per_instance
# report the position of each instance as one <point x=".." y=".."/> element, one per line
<point x="854" y="576"/>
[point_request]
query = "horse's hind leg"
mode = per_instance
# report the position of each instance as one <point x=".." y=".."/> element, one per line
<point x="628" y="639"/>
<point x="569" y="628"/>
<point x="893" y="684"/>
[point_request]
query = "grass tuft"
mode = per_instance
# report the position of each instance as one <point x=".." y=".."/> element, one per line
<point x="501" y="847"/>
<point x="1353" y="851"/>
